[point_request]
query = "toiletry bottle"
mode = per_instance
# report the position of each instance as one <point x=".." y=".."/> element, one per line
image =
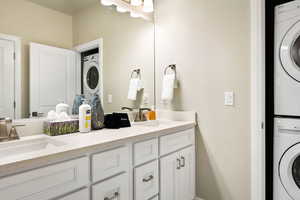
<point x="85" y="115"/>
<point x="152" y="114"/>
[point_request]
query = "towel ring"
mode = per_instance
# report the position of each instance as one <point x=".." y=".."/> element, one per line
<point x="137" y="72"/>
<point x="173" y="67"/>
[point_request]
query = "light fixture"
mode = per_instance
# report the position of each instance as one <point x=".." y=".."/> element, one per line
<point x="121" y="9"/>
<point x="136" y="2"/>
<point x="134" y="15"/>
<point x="148" y="6"/>
<point x="106" y="2"/>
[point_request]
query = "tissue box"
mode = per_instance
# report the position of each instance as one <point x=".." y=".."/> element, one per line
<point x="53" y="128"/>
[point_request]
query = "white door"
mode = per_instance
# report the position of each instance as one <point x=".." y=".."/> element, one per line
<point x="6" y="78"/>
<point x="52" y="77"/>
<point x="187" y="174"/>
<point x="170" y="177"/>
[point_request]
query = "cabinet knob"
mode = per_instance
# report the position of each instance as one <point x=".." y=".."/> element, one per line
<point x="183" y="161"/>
<point x="116" y="194"/>
<point x="178" y="164"/>
<point x="148" y="179"/>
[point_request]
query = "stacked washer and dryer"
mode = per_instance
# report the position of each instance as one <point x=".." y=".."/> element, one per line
<point x="91" y="82"/>
<point x="287" y="102"/>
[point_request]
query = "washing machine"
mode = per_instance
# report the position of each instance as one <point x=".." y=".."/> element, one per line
<point x="287" y="159"/>
<point x="287" y="59"/>
<point x="91" y="76"/>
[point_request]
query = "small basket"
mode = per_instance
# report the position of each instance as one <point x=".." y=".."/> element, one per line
<point x="53" y="128"/>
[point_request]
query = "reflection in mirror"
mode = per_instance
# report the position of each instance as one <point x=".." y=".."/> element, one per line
<point x="51" y="51"/>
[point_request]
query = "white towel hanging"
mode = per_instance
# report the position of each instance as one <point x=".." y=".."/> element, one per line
<point x="168" y="87"/>
<point x="134" y="86"/>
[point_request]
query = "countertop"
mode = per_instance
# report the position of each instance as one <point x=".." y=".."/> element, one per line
<point x="95" y="139"/>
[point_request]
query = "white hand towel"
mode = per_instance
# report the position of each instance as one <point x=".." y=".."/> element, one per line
<point x="134" y="85"/>
<point x="168" y="87"/>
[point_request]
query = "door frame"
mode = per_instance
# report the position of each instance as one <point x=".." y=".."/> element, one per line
<point x="17" y="73"/>
<point x="258" y="100"/>
<point x="98" y="43"/>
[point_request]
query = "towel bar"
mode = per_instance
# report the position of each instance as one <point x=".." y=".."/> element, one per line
<point x="137" y="72"/>
<point x="173" y="67"/>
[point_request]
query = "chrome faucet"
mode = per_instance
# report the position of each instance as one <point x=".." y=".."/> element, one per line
<point x="8" y="131"/>
<point x="140" y="116"/>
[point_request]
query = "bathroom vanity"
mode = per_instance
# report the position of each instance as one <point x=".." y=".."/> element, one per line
<point x="141" y="163"/>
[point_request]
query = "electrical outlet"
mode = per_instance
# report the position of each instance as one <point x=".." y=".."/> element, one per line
<point x="228" y="98"/>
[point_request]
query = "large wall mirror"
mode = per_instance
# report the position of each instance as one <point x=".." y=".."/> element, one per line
<point x="51" y="51"/>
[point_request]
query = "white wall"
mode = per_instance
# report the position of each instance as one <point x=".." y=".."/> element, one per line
<point x="209" y="40"/>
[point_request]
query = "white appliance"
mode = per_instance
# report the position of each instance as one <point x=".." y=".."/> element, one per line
<point x="287" y="59"/>
<point x="287" y="159"/>
<point x="91" y="78"/>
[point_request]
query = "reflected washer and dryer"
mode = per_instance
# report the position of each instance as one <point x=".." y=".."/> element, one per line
<point x="91" y="79"/>
<point x="287" y="59"/>
<point x="287" y="159"/>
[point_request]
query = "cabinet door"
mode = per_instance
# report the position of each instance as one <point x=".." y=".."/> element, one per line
<point x="112" y="189"/>
<point x="170" y="179"/>
<point x="187" y="174"/>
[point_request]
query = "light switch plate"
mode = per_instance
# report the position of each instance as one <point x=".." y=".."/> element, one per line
<point x="228" y="98"/>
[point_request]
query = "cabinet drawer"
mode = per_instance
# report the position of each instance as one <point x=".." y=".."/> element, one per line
<point x="146" y="181"/>
<point x="112" y="189"/>
<point x="47" y="182"/>
<point x="173" y="142"/>
<point x="145" y="151"/>
<point x="80" y="195"/>
<point x="110" y="163"/>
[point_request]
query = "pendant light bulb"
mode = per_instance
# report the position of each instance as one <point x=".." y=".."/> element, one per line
<point x="148" y="6"/>
<point x="136" y="2"/>
<point x="106" y="2"/>
<point x="121" y="9"/>
<point x="134" y="15"/>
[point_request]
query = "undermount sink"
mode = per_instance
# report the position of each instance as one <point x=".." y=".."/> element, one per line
<point x="20" y="147"/>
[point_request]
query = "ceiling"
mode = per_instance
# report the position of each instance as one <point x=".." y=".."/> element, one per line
<point x="66" y="6"/>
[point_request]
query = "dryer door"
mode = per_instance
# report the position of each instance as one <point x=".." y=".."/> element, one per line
<point x="92" y="77"/>
<point x="289" y="171"/>
<point x="290" y="52"/>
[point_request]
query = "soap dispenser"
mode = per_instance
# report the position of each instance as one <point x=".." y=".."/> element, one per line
<point x="85" y="115"/>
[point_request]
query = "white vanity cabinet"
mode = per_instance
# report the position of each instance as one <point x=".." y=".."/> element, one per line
<point x="158" y="167"/>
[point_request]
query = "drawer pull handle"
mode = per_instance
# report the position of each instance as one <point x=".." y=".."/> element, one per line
<point x="148" y="179"/>
<point x="183" y="161"/>
<point x="116" y="194"/>
<point x="178" y="164"/>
